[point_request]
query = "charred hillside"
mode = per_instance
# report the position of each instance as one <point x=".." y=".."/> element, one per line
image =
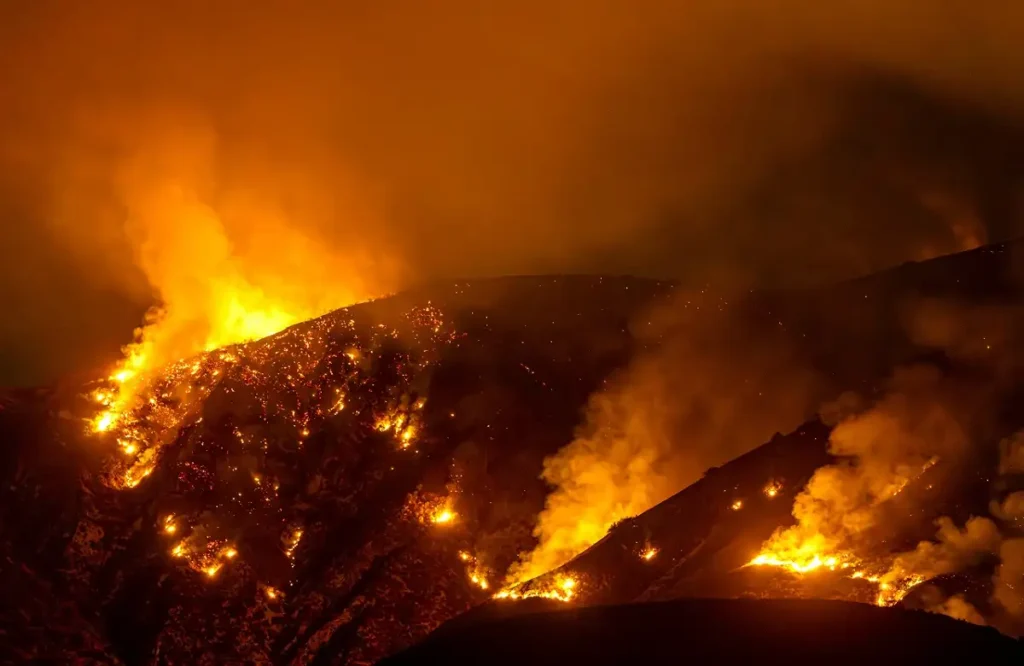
<point x="335" y="492"/>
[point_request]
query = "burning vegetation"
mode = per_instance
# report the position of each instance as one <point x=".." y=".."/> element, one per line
<point x="143" y="410"/>
<point x="213" y="445"/>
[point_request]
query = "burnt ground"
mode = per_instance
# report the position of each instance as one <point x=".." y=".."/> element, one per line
<point x="89" y="575"/>
<point x="714" y="631"/>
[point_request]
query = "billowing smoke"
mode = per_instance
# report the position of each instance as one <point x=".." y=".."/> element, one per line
<point x="957" y="549"/>
<point x="1011" y="458"/>
<point x="959" y="608"/>
<point x="1009" y="580"/>
<point x="712" y="387"/>
<point x="918" y="422"/>
<point x="953" y="550"/>
<point x="303" y="157"/>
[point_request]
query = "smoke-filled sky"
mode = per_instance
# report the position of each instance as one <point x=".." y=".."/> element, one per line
<point x="313" y="153"/>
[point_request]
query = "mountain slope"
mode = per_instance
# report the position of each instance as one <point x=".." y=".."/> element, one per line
<point x="333" y="493"/>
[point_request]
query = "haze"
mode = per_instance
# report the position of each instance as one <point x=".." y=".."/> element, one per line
<point x="285" y="158"/>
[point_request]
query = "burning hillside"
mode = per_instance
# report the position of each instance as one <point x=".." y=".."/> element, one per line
<point x="342" y="486"/>
<point x="339" y="489"/>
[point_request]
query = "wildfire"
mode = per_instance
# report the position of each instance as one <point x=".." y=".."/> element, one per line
<point x="563" y="588"/>
<point x="134" y="476"/>
<point x="772" y="490"/>
<point x="431" y="509"/>
<point x="649" y="553"/>
<point x="143" y="406"/>
<point x="443" y="516"/>
<point x="736" y="505"/>
<point x="476" y="572"/>
<point x="807" y="562"/>
<point x="292" y="541"/>
<point x="800" y="565"/>
<point x="892" y="593"/>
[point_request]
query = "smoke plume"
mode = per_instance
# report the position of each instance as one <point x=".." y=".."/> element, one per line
<point x="1009" y="579"/>
<point x="711" y="387"/>
<point x="265" y="161"/>
<point x="959" y="608"/>
<point x="954" y="550"/>
<point x="917" y="423"/>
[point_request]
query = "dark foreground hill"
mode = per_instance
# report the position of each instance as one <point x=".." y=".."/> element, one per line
<point x="724" y="631"/>
<point x="334" y="493"/>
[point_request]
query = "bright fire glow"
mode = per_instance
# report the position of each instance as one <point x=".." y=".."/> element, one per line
<point x="772" y="490"/>
<point x="443" y="516"/>
<point x="562" y="588"/>
<point x="801" y="564"/>
<point x="649" y="554"/>
<point x="737" y="505"/>
<point x="804" y="561"/>
<point x="478" y="574"/>
<point x="293" y="542"/>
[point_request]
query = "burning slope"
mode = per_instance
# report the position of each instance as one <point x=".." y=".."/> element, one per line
<point x="339" y="488"/>
<point x="882" y="450"/>
<point x="720" y="376"/>
<point x="917" y="450"/>
<point x="218" y="284"/>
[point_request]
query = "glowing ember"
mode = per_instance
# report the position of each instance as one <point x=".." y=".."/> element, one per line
<point x="890" y="594"/>
<point x="230" y="553"/>
<point x="103" y="422"/>
<point x="772" y="490"/>
<point x="293" y="542"/>
<point x="271" y="593"/>
<point x="212" y="570"/>
<point x="179" y="550"/>
<point x="134" y="477"/>
<point x="443" y="516"/>
<point x="737" y="505"/>
<point x="649" y="554"/>
<point x="477" y="573"/>
<point x="563" y="588"/>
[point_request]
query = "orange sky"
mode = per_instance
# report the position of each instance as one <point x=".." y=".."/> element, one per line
<point x="361" y="147"/>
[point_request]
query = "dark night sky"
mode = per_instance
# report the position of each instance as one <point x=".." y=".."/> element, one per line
<point x="734" y="141"/>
